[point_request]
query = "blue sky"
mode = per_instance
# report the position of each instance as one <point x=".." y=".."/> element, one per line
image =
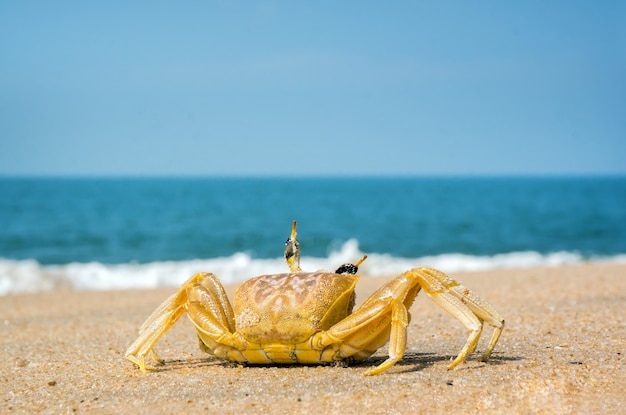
<point x="312" y="88"/>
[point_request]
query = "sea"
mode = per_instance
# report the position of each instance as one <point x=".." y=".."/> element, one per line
<point x="127" y="233"/>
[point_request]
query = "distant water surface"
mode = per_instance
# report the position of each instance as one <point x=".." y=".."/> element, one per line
<point x="51" y="223"/>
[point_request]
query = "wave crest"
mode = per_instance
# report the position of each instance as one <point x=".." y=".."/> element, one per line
<point x="22" y="276"/>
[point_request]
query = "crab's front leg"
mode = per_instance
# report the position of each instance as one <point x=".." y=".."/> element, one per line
<point x="382" y="317"/>
<point x="202" y="297"/>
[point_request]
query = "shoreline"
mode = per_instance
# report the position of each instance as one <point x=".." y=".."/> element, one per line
<point x="562" y="351"/>
<point x="28" y="276"/>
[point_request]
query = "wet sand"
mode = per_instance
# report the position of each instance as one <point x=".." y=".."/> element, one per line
<point x="562" y="351"/>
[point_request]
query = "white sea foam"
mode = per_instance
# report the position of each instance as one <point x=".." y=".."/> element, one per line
<point x="19" y="276"/>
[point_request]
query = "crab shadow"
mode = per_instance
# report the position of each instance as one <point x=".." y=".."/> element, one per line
<point x="167" y="365"/>
<point x="411" y="362"/>
<point x="416" y="362"/>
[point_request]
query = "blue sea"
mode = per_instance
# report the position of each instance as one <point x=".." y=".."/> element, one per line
<point x="111" y="233"/>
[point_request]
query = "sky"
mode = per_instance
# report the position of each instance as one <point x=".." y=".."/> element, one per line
<point x="312" y="88"/>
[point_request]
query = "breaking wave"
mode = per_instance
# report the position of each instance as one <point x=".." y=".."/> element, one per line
<point x="21" y="276"/>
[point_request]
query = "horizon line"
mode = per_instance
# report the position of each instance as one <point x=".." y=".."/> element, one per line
<point x="311" y="176"/>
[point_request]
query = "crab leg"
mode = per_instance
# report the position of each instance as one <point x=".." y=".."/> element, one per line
<point x="397" y="337"/>
<point x="385" y="315"/>
<point x="166" y="315"/>
<point x="466" y="306"/>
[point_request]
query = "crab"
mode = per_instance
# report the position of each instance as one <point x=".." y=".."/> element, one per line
<point x="307" y="317"/>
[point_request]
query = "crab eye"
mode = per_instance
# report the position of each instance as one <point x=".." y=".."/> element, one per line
<point x="290" y="248"/>
<point x="347" y="269"/>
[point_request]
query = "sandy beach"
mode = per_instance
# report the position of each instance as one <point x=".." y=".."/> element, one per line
<point x="562" y="351"/>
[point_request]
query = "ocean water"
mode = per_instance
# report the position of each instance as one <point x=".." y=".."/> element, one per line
<point x="89" y="233"/>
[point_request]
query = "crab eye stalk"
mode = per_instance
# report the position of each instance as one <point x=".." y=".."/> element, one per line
<point x="292" y="250"/>
<point x="350" y="268"/>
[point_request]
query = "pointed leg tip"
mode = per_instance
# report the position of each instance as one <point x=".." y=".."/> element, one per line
<point x="485" y="357"/>
<point x="455" y="363"/>
<point x="140" y="362"/>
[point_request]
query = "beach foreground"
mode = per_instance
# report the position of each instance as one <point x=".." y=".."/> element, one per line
<point x="562" y="351"/>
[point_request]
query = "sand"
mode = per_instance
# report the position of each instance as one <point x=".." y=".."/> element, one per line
<point x="562" y="351"/>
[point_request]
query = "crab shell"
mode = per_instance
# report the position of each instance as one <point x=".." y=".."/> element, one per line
<point x="290" y="308"/>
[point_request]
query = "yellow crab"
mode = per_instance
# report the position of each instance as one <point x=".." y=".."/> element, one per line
<point x="307" y="318"/>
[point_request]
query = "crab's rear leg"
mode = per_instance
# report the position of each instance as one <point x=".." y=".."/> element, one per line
<point x="384" y="315"/>
<point x="464" y="305"/>
<point x="166" y="314"/>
